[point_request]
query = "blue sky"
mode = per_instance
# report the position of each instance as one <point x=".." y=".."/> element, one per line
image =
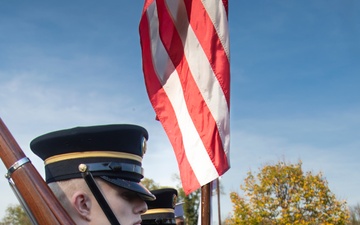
<point x="294" y="83"/>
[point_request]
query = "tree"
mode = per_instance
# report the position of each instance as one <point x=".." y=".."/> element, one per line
<point x="355" y="215"/>
<point x="282" y="194"/>
<point x="15" y="215"/>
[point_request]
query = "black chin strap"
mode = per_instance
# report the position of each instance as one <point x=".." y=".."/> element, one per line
<point x="90" y="181"/>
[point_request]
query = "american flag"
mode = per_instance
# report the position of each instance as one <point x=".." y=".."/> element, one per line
<point x="185" y="55"/>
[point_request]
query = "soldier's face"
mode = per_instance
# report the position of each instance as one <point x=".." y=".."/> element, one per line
<point x="126" y="205"/>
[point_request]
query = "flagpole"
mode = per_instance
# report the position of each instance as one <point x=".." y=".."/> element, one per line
<point x="205" y="204"/>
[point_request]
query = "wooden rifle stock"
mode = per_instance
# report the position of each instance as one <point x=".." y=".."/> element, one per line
<point x="35" y="193"/>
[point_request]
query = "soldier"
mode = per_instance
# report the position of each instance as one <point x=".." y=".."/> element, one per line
<point x="95" y="172"/>
<point x="161" y="211"/>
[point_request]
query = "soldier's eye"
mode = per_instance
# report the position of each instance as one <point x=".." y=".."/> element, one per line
<point x="129" y="196"/>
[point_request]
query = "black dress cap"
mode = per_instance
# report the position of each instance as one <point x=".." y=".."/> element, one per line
<point x="112" y="152"/>
<point x="161" y="210"/>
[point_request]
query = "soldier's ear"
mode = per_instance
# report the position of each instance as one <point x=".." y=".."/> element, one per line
<point x="82" y="203"/>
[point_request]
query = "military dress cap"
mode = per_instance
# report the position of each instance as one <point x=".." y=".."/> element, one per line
<point x="161" y="210"/>
<point x="111" y="152"/>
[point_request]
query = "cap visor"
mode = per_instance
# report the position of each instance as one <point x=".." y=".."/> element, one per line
<point x="138" y="188"/>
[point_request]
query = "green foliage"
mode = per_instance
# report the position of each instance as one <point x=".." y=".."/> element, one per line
<point x="15" y="215"/>
<point x="282" y="194"/>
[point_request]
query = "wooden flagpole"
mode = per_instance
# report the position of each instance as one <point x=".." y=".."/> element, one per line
<point x="205" y="204"/>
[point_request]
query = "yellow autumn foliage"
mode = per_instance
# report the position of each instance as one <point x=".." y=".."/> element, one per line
<point x="283" y="194"/>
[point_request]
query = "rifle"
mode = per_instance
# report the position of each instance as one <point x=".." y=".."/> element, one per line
<point x="33" y="193"/>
